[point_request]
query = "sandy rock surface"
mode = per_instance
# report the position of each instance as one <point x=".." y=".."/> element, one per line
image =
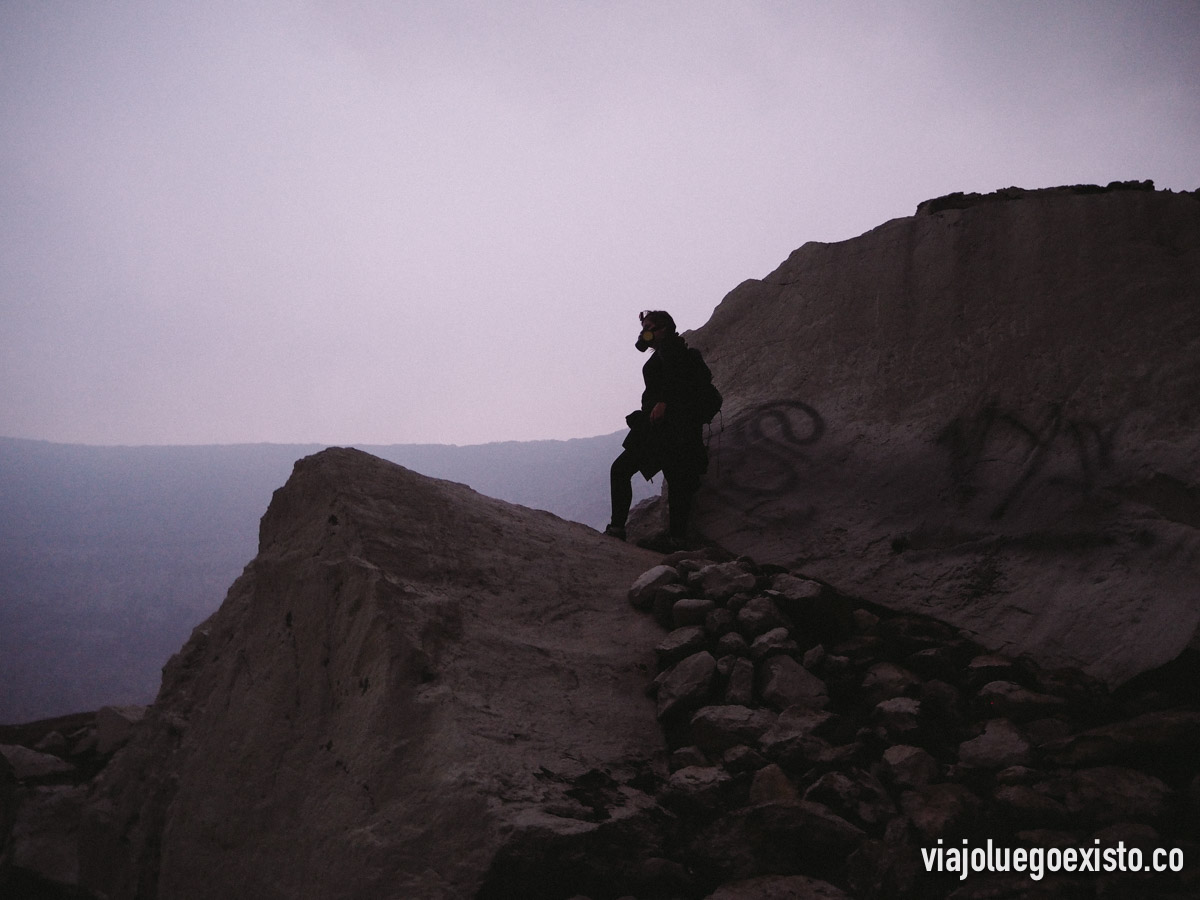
<point x="406" y="676"/>
<point x="984" y="412"/>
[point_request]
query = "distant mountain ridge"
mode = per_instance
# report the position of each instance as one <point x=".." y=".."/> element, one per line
<point x="109" y="556"/>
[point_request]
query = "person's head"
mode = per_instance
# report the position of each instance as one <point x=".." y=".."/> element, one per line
<point x="656" y="324"/>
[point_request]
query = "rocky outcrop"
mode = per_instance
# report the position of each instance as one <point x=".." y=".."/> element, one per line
<point x="985" y="413"/>
<point x="408" y="678"/>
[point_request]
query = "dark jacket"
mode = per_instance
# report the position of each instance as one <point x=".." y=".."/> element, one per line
<point x="675" y="375"/>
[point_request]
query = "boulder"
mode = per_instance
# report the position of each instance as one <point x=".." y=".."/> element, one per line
<point x="814" y="609"/>
<point x="691" y="611"/>
<point x="886" y="867"/>
<point x="797" y="723"/>
<point x="911" y="767"/>
<point x="856" y="796"/>
<point x="664" y="600"/>
<point x="771" y="785"/>
<point x="989" y="667"/>
<point x="680" y="644"/>
<point x="54" y="743"/>
<point x="9" y="792"/>
<point x="732" y="644"/>
<point x="783" y="682"/>
<point x="721" y="581"/>
<point x="688" y="685"/>
<point x="718" y="728"/>
<point x="1001" y="745"/>
<point x="695" y="788"/>
<point x="777" y="640"/>
<point x="742" y="760"/>
<point x="886" y="680"/>
<point x="1003" y="698"/>
<point x="30" y="765"/>
<point x="760" y="615"/>
<point x="899" y="717"/>
<point x="643" y="589"/>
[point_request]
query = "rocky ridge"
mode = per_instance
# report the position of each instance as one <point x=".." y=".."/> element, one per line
<point x="810" y="745"/>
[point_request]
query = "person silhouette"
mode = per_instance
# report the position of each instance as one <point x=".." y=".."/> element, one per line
<point x="667" y="433"/>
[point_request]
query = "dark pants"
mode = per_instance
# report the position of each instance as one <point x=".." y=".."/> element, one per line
<point x="681" y="490"/>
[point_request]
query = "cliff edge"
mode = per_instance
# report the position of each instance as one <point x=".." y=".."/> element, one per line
<point x="406" y="675"/>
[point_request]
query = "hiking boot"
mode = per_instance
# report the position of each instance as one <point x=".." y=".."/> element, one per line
<point x="616" y="531"/>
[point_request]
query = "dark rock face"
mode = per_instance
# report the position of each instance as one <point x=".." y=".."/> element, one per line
<point x="984" y="413"/>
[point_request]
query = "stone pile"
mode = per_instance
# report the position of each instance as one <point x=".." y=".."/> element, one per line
<point x="815" y="737"/>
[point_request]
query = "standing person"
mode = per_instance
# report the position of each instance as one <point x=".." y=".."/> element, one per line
<point x="667" y="433"/>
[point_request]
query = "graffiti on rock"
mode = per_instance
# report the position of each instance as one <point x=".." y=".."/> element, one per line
<point x="1002" y="454"/>
<point x="766" y="458"/>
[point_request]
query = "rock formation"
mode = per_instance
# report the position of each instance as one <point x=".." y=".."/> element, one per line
<point x="407" y="677"/>
<point x="984" y="412"/>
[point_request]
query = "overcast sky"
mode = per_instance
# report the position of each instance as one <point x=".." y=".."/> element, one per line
<point x="401" y="222"/>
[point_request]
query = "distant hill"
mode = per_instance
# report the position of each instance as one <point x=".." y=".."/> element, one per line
<point x="109" y="556"/>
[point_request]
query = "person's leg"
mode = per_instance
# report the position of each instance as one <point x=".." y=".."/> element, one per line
<point x="620" y="479"/>
<point x="681" y="491"/>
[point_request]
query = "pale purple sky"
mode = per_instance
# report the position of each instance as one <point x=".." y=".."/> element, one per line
<point x="401" y="222"/>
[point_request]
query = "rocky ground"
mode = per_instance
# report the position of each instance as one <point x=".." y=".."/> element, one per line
<point x="817" y="745"/>
<point x="46" y="769"/>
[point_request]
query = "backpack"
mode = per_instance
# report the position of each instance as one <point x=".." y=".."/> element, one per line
<point x="709" y="403"/>
<point x="708" y="400"/>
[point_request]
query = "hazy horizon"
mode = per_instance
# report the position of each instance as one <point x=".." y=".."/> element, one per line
<point x="321" y="444"/>
<point x="379" y="224"/>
